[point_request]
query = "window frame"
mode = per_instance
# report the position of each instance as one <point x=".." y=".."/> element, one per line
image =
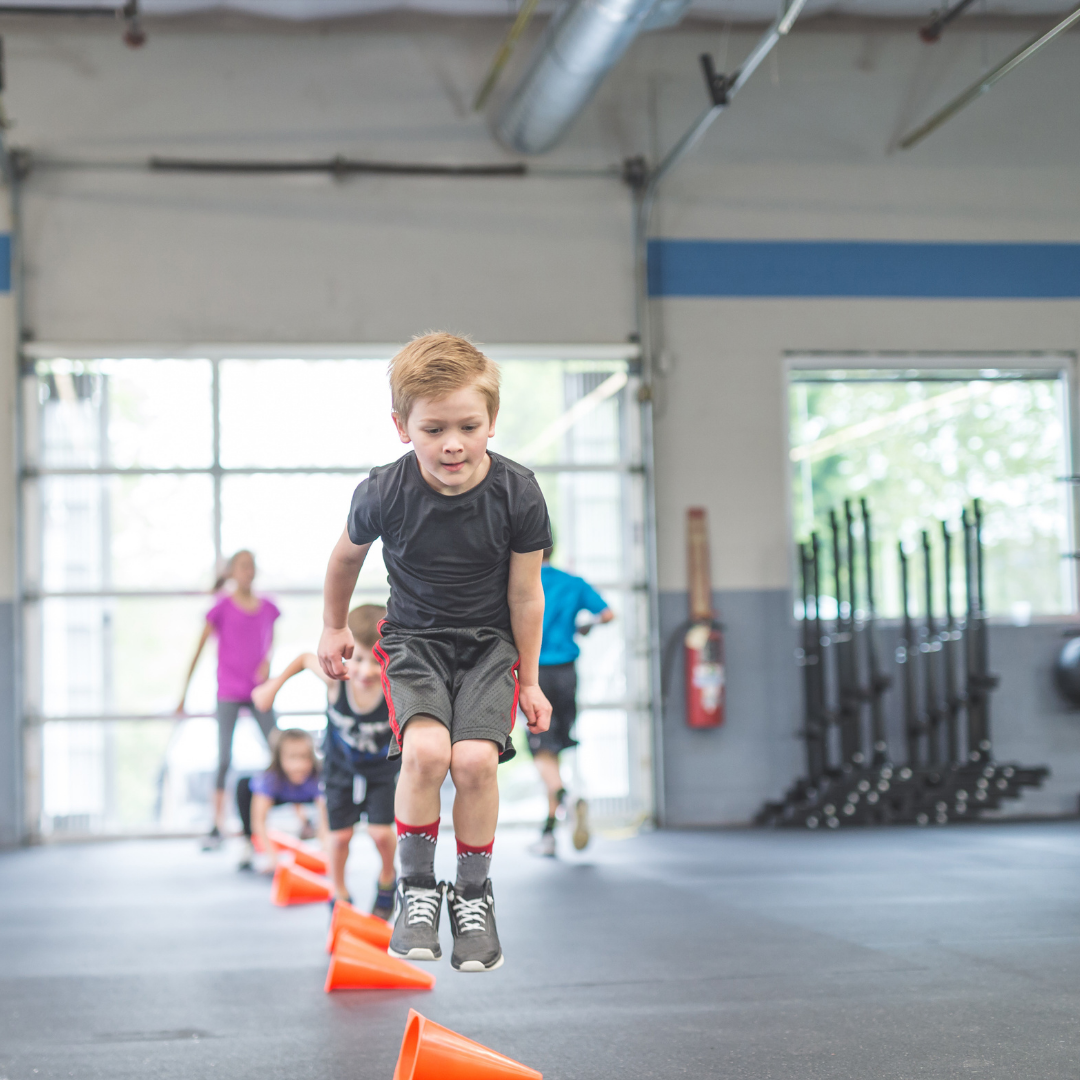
<point x="1058" y="364"/>
<point x="640" y="734"/>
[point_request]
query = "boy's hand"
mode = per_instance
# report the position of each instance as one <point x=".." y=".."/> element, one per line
<point x="262" y="697"/>
<point x="334" y="644"/>
<point x="535" y="706"/>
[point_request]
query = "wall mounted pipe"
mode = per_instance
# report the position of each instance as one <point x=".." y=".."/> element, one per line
<point x="645" y="183"/>
<point x="582" y="43"/>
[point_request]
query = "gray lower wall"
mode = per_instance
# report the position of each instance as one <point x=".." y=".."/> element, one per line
<point x="10" y="742"/>
<point x="722" y="776"/>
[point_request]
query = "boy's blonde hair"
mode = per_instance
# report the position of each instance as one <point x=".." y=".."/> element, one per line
<point x="434" y="366"/>
<point x="364" y="624"/>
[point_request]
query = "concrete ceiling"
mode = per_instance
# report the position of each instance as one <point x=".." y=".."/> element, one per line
<point x="734" y="10"/>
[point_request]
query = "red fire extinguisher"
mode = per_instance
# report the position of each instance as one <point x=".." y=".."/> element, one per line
<point x="705" y="639"/>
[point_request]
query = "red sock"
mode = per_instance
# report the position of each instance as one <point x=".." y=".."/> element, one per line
<point x="430" y="831"/>
<point x="473" y="864"/>
<point x="416" y="847"/>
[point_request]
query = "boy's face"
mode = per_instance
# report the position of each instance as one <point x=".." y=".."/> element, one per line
<point x="363" y="669"/>
<point x="450" y="437"/>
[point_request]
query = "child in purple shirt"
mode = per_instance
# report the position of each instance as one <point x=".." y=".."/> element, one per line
<point x="244" y="626"/>
<point x="293" y="777"/>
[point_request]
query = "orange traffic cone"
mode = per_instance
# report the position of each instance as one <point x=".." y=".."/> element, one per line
<point x="356" y="965"/>
<point x="431" y="1052"/>
<point x="305" y="857"/>
<point x="373" y="930"/>
<point x="294" y="885"/>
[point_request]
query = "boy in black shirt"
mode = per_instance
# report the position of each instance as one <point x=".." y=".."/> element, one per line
<point x="463" y="534"/>
<point x="358" y="778"/>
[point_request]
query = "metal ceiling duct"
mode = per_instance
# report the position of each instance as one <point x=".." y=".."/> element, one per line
<point x="582" y="43"/>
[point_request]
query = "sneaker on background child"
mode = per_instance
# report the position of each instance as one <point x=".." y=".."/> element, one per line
<point x="358" y="778"/>
<point x="463" y="533"/>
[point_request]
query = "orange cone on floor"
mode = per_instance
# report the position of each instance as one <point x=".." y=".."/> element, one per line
<point x="294" y="885"/>
<point x="304" y="856"/>
<point x="373" y="930"/>
<point x="431" y="1052"/>
<point x="356" y="965"/>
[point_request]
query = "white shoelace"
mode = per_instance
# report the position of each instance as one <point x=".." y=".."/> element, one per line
<point x="423" y="906"/>
<point x="471" y="914"/>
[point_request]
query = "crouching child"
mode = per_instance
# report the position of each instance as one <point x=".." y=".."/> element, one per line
<point x="358" y="778"/>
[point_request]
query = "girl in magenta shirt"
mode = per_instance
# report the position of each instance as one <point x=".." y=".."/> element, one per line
<point x="244" y="625"/>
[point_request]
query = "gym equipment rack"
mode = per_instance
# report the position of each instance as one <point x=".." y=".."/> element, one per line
<point x="949" y="772"/>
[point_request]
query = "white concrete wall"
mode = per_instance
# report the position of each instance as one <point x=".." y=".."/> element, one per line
<point x="804" y="153"/>
<point x="120" y="255"/>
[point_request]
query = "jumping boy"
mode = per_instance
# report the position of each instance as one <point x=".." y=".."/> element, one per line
<point x="463" y="533"/>
<point x="358" y="777"/>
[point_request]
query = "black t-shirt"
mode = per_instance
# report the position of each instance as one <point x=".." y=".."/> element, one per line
<point x="448" y="556"/>
<point x="366" y="735"/>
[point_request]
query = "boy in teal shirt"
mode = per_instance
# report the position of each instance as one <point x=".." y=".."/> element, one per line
<point x="565" y="597"/>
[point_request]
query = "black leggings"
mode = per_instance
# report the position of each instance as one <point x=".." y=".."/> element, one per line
<point x="243" y="803"/>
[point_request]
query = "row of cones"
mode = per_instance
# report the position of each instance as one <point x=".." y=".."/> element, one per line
<point x="303" y="856"/>
<point x="357" y="946"/>
<point x="358" y="959"/>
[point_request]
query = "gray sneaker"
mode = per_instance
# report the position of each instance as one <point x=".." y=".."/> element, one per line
<point x="416" y="932"/>
<point x="472" y="919"/>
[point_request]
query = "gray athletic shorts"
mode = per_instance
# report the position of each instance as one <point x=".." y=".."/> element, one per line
<point x="465" y="677"/>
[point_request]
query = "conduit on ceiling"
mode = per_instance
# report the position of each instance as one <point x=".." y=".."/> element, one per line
<point x="581" y="44"/>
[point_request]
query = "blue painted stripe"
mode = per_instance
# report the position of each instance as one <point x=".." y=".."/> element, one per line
<point x="5" y="263"/>
<point x="861" y="268"/>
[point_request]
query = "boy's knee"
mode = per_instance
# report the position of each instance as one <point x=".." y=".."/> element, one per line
<point x="474" y="763"/>
<point x="383" y="835"/>
<point x="426" y="748"/>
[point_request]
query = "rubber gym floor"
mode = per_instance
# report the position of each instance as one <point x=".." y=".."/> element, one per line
<point x="746" y="955"/>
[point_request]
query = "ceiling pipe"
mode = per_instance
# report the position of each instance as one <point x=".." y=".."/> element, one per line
<point x="979" y="88"/>
<point x="582" y="43"/>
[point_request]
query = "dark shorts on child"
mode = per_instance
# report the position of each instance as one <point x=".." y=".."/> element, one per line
<point x="465" y="677"/>
<point x="377" y="781"/>
<point x="559" y="683"/>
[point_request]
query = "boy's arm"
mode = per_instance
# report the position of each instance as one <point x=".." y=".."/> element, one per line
<point x="525" y="595"/>
<point x="262" y="697"/>
<point x="341" y="574"/>
<point x="604" y="616"/>
<point x="596" y="606"/>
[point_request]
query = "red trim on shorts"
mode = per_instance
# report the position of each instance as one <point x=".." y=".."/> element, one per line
<point x="383" y="659"/>
<point x="517" y="692"/>
<point x="468" y="849"/>
<point x="430" y="831"/>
